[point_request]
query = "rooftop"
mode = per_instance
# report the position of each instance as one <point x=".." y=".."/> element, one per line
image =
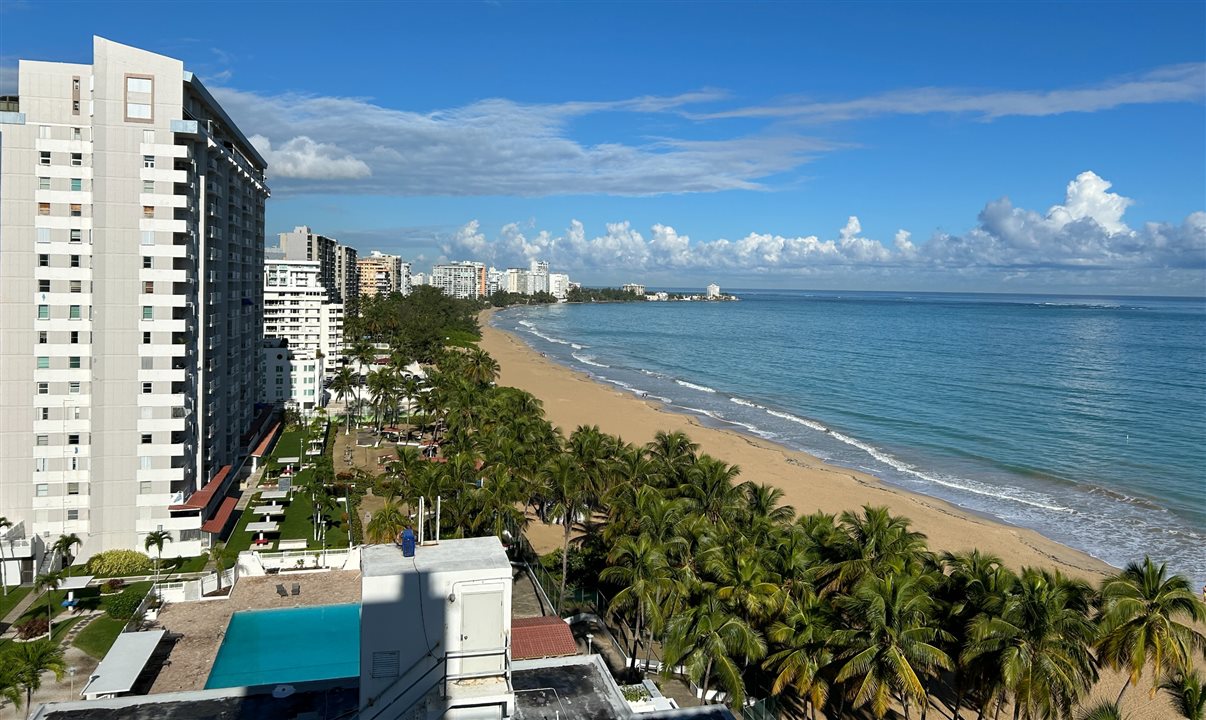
<point x="577" y="688"/>
<point x="445" y="556"/>
<point x="316" y="700"/>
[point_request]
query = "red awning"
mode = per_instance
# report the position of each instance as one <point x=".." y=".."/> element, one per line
<point x="541" y="637"/>
<point x="266" y="443"/>
<point x="200" y="499"/>
<point x="218" y="523"/>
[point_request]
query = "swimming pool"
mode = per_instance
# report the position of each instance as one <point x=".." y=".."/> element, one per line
<point x="264" y="647"/>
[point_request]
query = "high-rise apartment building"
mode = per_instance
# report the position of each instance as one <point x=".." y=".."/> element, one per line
<point x="559" y="284"/>
<point x="302" y="243"/>
<point x="538" y="277"/>
<point x="132" y="220"/>
<point x="382" y="274"/>
<point x="460" y="280"/>
<point x="298" y="309"/>
<point x="347" y="275"/>
<point x="292" y="378"/>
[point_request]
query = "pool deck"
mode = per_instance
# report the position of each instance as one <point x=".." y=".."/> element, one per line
<point x="202" y="625"/>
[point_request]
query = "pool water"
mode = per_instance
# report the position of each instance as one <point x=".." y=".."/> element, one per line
<point x="265" y="647"/>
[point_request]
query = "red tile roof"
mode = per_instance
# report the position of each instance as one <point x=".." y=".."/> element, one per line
<point x="218" y="523"/>
<point x="266" y="443"/>
<point x="200" y="499"/>
<point x="541" y="637"/>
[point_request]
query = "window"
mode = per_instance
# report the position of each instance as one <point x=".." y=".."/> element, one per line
<point x="148" y="237"/>
<point x="44" y="132"/>
<point x="77" y="286"/>
<point x="148" y="186"/>
<point x="77" y="184"/>
<point x="43" y="183"/>
<point x="73" y="312"/>
<point x="147" y="388"/>
<point x="75" y="261"/>
<point x="43" y="362"/>
<point x="77" y="159"/>
<point x="75" y="412"/>
<point x="39" y="464"/>
<point x="76" y="210"/>
<point x="43" y="208"/>
<point x="144" y="487"/>
<point x="148" y="161"/>
<point x="73" y="362"/>
<point x="44" y="157"/>
<point x="41" y="440"/>
<point x="75" y="337"/>
<point x="43" y="388"/>
<point x="148" y="136"/>
<point x="43" y="413"/>
<point x="74" y="463"/>
<point x="73" y="387"/>
<point x="148" y="363"/>
<point x="76" y="235"/>
<point x="42" y="337"/>
<point x="43" y="260"/>
<point x="146" y="338"/>
<point x="148" y="211"/>
<point x="144" y="462"/>
<point x="139" y="97"/>
<point x="73" y="488"/>
<point x="148" y="287"/>
<point x="73" y="439"/>
<point x="41" y="490"/>
<point x="76" y="134"/>
<point x="146" y="262"/>
<point x="75" y="107"/>
<point x="43" y="312"/>
<point x="146" y="438"/>
<point x="43" y="286"/>
<point x="148" y="312"/>
<point x="73" y="514"/>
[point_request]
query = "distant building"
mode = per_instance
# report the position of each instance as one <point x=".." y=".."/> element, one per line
<point x="713" y="291"/>
<point x="347" y="274"/>
<point x="634" y="288"/>
<point x="382" y="274"/>
<point x="292" y="379"/>
<point x="559" y="285"/>
<point x="466" y="280"/>
<point x="298" y="310"/>
<point x="494" y="278"/>
<point x="538" y="280"/>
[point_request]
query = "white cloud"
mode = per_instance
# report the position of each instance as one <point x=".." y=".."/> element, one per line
<point x="305" y="159"/>
<point x="1080" y="240"/>
<point x="1173" y="83"/>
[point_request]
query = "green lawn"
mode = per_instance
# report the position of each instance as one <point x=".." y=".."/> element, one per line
<point x="288" y="445"/>
<point x="15" y="595"/>
<point x="99" y="636"/>
<point x="184" y="564"/>
<point x="298" y="523"/>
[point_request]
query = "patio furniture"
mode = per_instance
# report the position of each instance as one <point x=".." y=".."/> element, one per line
<point x="296" y="589"/>
<point x="280" y="590"/>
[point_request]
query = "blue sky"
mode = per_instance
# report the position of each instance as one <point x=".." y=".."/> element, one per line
<point x="1019" y="146"/>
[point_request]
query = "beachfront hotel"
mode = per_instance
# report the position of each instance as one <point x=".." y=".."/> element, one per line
<point x="465" y="280"/>
<point x="381" y="274"/>
<point x="132" y="218"/>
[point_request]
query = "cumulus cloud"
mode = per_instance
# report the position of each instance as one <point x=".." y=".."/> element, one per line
<point x="1174" y="83"/>
<point x="1080" y="240"/>
<point x="303" y="158"/>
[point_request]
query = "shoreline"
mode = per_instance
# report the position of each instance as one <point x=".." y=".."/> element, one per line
<point x="572" y="398"/>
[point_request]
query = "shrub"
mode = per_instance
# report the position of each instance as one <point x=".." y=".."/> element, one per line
<point x="112" y="586"/>
<point x="33" y="627"/>
<point x="119" y="562"/>
<point x="122" y="607"/>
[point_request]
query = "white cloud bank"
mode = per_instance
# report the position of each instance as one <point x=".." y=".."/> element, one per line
<point x="1082" y="242"/>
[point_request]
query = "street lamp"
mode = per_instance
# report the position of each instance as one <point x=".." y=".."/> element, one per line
<point x="590" y="644"/>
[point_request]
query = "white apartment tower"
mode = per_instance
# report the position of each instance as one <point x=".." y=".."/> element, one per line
<point x="298" y="310"/>
<point x="131" y="226"/>
<point x="460" y="280"/>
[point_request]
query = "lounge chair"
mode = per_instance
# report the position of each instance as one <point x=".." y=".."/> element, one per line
<point x="280" y="590"/>
<point x="296" y="589"/>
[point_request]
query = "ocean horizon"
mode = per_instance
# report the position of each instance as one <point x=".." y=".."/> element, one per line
<point x="1082" y="417"/>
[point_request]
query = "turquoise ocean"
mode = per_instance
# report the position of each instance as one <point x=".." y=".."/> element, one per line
<point x="1083" y="418"/>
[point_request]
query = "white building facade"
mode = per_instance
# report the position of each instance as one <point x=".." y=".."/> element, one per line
<point x="298" y="310"/>
<point x="466" y="280"/>
<point x="132" y="219"/>
<point x="292" y="378"/>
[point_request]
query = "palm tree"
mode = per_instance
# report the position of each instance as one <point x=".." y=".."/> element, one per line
<point x="344" y="386"/>
<point x="387" y="522"/>
<point x="638" y="565"/>
<point x="890" y="641"/>
<point x="480" y="368"/>
<point x="64" y="545"/>
<point x="568" y="498"/>
<point x="34" y="658"/>
<point x="223" y="558"/>
<point x="875" y="543"/>
<point x="1188" y="694"/>
<point x="48" y="582"/>
<point x="710" y="640"/>
<point x="10" y="682"/>
<point x="711" y="490"/>
<point x="1101" y="710"/>
<point x="803" y="636"/>
<point x="5" y="524"/>
<point x="1039" y="644"/>
<point x="156" y="539"/>
<point x="1140" y="612"/>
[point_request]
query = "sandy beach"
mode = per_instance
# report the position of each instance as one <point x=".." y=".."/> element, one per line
<point x="809" y="484"/>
